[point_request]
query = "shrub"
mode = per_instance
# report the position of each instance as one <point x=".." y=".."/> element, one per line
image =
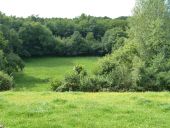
<point x="94" y="84"/>
<point x="58" y="86"/>
<point x="72" y="81"/>
<point x="55" y="84"/>
<point x="163" y="80"/>
<point x="14" y="63"/>
<point x="62" y="88"/>
<point x="2" y="60"/>
<point x="78" y="69"/>
<point x="6" y="82"/>
<point x="87" y="85"/>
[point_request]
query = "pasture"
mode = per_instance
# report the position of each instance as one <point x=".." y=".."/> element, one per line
<point x="84" y="110"/>
<point x="39" y="71"/>
<point x="31" y="104"/>
<point x="136" y="63"/>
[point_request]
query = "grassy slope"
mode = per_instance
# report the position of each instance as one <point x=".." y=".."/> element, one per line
<point x="84" y="110"/>
<point x="38" y="71"/>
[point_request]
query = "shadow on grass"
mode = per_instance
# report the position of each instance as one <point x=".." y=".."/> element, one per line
<point x="26" y="82"/>
<point x="50" y="62"/>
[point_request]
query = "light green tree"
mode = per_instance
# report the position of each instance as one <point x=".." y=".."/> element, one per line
<point x="144" y="61"/>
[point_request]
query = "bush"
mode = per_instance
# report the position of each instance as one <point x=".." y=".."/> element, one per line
<point x="72" y="81"/>
<point x="87" y="85"/>
<point x="79" y="80"/>
<point x="55" y="84"/>
<point x="62" y="88"/>
<point x="78" y="69"/>
<point x="6" y="82"/>
<point x="94" y="84"/>
<point x="14" y="63"/>
<point x="2" y="60"/>
<point x="163" y="80"/>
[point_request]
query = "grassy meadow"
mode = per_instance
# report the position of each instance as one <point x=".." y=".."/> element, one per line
<point x="84" y="110"/>
<point x="39" y="71"/>
<point x="31" y="104"/>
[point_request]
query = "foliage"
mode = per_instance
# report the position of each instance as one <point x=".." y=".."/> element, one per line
<point x="37" y="39"/>
<point x="55" y="84"/>
<point x="94" y="84"/>
<point x="78" y="69"/>
<point x="35" y="36"/>
<point x="71" y="80"/>
<point x="6" y="82"/>
<point x="14" y="63"/>
<point x="9" y="61"/>
<point x="3" y="61"/>
<point x="138" y="58"/>
<point x="79" y="80"/>
<point x="142" y="63"/>
<point x="114" y="38"/>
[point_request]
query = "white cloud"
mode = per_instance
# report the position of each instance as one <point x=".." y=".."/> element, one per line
<point x="67" y="8"/>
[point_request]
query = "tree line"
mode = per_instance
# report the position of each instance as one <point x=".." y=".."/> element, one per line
<point x="84" y="35"/>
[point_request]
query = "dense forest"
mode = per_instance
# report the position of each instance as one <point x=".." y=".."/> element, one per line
<point x="84" y="35"/>
<point x="136" y="48"/>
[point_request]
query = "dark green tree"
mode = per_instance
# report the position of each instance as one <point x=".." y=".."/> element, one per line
<point x="37" y="39"/>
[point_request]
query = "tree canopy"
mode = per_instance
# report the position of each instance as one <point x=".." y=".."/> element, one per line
<point x="143" y="63"/>
<point x="35" y="36"/>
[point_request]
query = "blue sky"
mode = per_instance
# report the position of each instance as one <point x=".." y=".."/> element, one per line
<point x="67" y="8"/>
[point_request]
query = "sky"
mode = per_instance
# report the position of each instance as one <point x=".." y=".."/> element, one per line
<point x="67" y="8"/>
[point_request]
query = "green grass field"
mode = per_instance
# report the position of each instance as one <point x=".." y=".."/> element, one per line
<point x="84" y="110"/>
<point x="39" y="71"/>
<point x="32" y="105"/>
